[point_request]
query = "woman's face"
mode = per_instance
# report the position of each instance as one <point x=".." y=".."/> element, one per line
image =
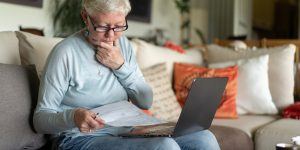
<point x="100" y="27"/>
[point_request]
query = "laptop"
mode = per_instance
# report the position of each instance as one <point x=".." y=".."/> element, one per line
<point x="197" y="114"/>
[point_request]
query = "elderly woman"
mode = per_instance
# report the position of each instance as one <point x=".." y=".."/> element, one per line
<point x="94" y="67"/>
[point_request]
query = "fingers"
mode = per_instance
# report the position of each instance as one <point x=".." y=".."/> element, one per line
<point x="105" y="46"/>
<point x="109" y="46"/>
<point x="99" y="120"/>
<point x="85" y="128"/>
<point x="86" y="121"/>
<point x="116" y="43"/>
<point x="103" y="52"/>
<point x="91" y="125"/>
<point x="100" y="58"/>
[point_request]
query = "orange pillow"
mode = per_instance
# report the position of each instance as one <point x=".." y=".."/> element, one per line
<point x="185" y="73"/>
<point x="148" y="112"/>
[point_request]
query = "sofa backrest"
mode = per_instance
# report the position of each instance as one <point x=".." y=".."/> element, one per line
<point x="9" y="48"/>
<point x="263" y="43"/>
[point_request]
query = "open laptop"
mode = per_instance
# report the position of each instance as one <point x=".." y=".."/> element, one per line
<point x="197" y="114"/>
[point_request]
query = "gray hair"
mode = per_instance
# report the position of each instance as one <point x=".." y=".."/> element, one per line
<point x="107" y="6"/>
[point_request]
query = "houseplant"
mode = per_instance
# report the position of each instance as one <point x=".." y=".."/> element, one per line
<point x="184" y="7"/>
<point x="66" y="17"/>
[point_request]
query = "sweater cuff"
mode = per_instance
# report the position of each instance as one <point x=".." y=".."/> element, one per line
<point x="69" y="117"/>
<point x="123" y="71"/>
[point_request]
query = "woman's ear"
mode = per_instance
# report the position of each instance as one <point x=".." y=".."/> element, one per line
<point x="84" y="16"/>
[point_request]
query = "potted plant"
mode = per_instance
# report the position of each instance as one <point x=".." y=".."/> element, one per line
<point x="66" y="17"/>
<point x="184" y="7"/>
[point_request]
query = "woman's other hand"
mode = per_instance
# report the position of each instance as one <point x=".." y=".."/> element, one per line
<point x="87" y="121"/>
<point x="110" y="55"/>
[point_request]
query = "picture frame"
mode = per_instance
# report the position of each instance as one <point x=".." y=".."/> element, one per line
<point x="140" y="10"/>
<point x="33" y="3"/>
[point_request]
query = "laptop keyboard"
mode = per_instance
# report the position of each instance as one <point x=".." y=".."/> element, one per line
<point x="160" y="131"/>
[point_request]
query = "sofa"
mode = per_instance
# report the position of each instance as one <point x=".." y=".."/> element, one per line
<point x="23" y="55"/>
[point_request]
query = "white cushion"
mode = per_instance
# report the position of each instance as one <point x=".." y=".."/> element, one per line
<point x="35" y="49"/>
<point x="281" y="59"/>
<point x="165" y="105"/>
<point x="9" y="49"/>
<point x="253" y="96"/>
<point x="281" y="76"/>
<point x="149" y="54"/>
<point x="134" y="46"/>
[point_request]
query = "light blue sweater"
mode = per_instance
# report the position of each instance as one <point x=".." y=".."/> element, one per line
<point x="73" y="78"/>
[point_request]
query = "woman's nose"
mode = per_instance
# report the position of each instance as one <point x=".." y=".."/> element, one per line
<point x="110" y="33"/>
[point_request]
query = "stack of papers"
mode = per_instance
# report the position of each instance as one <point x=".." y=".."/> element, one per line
<point x="123" y="113"/>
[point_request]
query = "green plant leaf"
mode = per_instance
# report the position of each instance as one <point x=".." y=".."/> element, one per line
<point x="66" y="17"/>
<point x="183" y="5"/>
<point x="185" y="24"/>
<point x="200" y="35"/>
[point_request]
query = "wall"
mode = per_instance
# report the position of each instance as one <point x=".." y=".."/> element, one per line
<point x="164" y="16"/>
<point x="199" y="17"/>
<point x="242" y="18"/>
<point x="263" y="14"/>
<point x="12" y="16"/>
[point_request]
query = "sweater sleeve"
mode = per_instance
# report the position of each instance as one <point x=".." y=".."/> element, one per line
<point x="49" y="118"/>
<point x="131" y="78"/>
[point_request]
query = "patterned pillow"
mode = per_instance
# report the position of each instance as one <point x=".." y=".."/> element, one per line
<point x="185" y="73"/>
<point x="165" y="105"/>
<point x="148" y="55"/>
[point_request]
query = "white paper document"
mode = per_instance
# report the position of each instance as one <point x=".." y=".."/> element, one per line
<point x="124" y="113"/>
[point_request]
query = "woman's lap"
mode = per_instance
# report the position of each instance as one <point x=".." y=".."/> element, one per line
<point x="202" y="140"/>
<point x="199" y="140"/>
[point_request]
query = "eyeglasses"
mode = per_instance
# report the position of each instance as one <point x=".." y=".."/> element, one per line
<point x="107" y="28"/>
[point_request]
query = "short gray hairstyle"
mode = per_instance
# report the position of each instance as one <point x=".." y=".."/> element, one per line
<point x="107" y="6"/>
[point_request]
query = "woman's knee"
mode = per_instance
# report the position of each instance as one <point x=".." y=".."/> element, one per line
<point x="167" y="144"/>
<point x="203" y="140"/>
<point x="208" y="140"/>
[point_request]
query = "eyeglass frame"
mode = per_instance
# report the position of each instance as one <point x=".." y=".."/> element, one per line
<point x="107" y="28"/>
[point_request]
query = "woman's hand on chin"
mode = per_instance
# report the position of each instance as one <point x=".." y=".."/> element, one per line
<point x="110" y="55"/>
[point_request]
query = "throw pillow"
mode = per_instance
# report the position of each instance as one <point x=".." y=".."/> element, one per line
<point x="165" y="105"/>
<point x="9" y="49"/>
<point x="35" y="49"/>
<point x="292" y="111"/>
<point x="253" y="95"/>
<point x="18" y="92"/>
<point x="149" y="55"/>
<point x="280" y="73"/>
<point x="185" y="73"/>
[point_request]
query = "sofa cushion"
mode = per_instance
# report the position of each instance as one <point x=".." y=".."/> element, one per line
<point x="165" y="105"/>
<point x="35" y="49"/>
<point x="184" y="74"/>
<point x="18" y="92"/>
<point x="281" y="63"/>
<point x="149" y="55"/>
<point x="247" y="123"/>
<point x="9" y="49"/>
<point x="280" y="131"/>
<point x="253" y="96"/>
<point x="232" y="138"/>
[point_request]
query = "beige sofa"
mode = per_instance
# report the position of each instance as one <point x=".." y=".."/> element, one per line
<point x="264" y="130"/>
